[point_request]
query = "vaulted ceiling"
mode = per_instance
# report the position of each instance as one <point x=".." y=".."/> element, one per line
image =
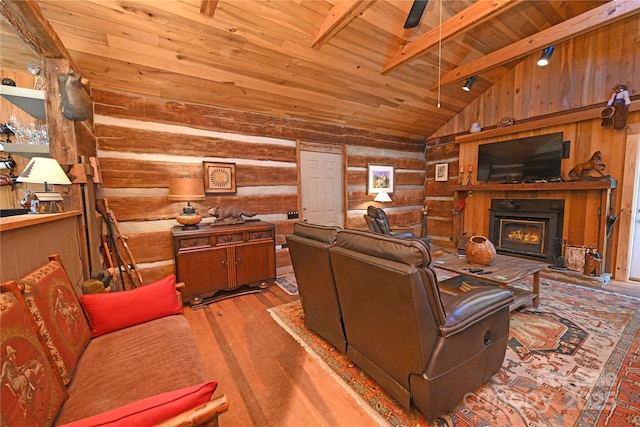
<point x="343" y="62"/>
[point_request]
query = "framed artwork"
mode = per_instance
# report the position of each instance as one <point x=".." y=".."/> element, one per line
<point x="219" y="177"/>
<point x="380" y="178"/>
<point x="442" y="172"/>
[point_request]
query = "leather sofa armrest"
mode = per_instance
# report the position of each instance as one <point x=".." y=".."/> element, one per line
<point x="471" y="306"/>
<point x="203" y="415"/>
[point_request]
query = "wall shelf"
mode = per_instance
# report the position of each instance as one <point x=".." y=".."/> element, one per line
<point x="27" y="150"/>
<point x="28" y="100"/>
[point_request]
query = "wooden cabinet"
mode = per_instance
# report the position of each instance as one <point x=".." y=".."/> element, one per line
<point x="213" y="259"/>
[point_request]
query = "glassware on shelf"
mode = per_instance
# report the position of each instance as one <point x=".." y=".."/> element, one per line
<point x="29" y="133"/>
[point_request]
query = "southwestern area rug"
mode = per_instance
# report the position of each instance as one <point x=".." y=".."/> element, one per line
<point x="572" y="361"/>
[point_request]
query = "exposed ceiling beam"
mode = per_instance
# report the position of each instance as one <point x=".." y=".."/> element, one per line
<point x="26" y="19"/>
<point x="208" y="7"/>
<point x="588" y="21"/>
<point x="461" y="22"/>
<point x="339" y="17"/>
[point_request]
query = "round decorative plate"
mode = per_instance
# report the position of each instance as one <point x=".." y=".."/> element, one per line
<point x="219" y="177"/>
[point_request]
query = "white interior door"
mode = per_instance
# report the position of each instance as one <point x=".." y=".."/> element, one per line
<point x="321" y="188"/>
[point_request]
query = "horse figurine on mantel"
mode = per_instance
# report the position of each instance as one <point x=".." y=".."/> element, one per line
<point x="582" y="170"/>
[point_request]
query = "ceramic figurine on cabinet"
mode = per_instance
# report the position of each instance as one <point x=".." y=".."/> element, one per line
<point x="233" y="215"/>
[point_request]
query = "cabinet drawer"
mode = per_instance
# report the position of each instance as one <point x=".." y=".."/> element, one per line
<point x="194" y="242"/>
<point x="229" y="238"/>
<point x="260" y="235"/>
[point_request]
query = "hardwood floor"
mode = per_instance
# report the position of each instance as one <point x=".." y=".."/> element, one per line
<point x="268" y="378"/>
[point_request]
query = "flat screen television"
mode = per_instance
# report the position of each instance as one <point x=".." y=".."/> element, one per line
<point x="529" y="159"/>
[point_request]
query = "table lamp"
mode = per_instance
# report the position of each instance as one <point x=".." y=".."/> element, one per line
<point x="382" y="197"/>
<point x="187" y="190"/>
<point x="43" y="170"/>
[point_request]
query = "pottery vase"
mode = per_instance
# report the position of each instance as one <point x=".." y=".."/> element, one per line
<point x="480" y="251"/>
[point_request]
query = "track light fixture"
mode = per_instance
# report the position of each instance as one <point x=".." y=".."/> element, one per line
<point x="544" y="58"/>
<point x="470" y="81"/>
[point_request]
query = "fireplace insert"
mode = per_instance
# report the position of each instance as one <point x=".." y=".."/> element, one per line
<point x="526" y="227"/>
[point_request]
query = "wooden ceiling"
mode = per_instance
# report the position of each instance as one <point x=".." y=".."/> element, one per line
<point x="342" y="62"/>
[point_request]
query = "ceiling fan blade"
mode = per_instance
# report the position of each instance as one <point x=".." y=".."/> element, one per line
<point x="415" y="14"/>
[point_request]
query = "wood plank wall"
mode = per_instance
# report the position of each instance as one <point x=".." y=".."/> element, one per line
<point x="581" y="74"/>
<point x="142" y="142"/>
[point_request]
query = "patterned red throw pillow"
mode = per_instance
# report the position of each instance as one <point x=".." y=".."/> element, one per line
<point x="30" y="390"/>
<point x="54" y="305"/>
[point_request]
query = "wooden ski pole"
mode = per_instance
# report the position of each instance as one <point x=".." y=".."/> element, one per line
<point x="130" y="266"/>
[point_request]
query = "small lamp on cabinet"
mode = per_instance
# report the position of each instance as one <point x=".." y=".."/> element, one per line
<point x="187" y="190"/>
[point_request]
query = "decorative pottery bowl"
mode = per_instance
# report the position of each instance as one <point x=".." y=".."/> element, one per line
<point x="480" y="251"/>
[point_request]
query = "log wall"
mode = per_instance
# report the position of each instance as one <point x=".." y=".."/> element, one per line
<point x="142" y="142"/>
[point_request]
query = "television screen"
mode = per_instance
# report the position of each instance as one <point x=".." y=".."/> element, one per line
<point x="532" y="158"/>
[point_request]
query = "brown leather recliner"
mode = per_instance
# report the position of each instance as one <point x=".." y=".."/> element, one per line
<point x="420" y="345"/>
<point x="377" y="222"/>
<point x="309" y="251"/>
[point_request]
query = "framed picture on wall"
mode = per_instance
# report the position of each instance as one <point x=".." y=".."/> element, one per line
<point x="380" y="178"/>
<point x="442" y="172"/>
<point x="219" y="177"/>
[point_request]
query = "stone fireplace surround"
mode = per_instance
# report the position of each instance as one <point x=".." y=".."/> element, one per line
<point x="526" y="227"/>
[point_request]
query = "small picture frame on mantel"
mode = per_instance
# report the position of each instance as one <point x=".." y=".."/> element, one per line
<point x="442" y="172"/>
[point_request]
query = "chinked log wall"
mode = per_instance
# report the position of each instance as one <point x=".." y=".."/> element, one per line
<point x="142" y="142"/>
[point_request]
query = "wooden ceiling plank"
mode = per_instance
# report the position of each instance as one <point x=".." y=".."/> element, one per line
<point x="339" y="17"/>
<point x="604" y="15"/>
<point x="27" y="20"/>
<point x="461" y="22"/>
<point x="208" y="7"/>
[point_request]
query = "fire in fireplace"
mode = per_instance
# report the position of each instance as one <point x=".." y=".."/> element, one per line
<point x="526" y="227"/>
<point x="522" y="235"/>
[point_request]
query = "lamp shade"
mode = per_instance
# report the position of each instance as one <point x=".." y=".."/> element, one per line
<point x="382" y="197"/>
<point x="186" y="189"/>
<point x="43" y="170"/>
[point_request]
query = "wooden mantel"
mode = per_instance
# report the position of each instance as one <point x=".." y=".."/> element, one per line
<point x="590" y="184"/>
